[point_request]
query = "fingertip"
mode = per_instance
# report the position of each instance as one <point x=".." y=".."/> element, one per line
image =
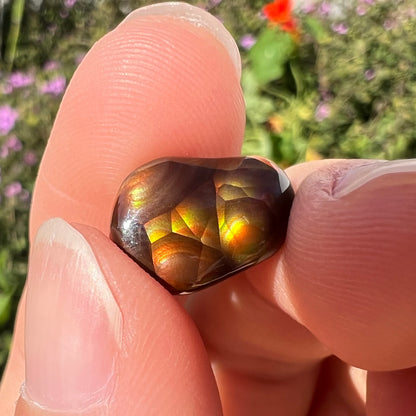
<point x="348" y="270"/>
<point x="199" y="18"/>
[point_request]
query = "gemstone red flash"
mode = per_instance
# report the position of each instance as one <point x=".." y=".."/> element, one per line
<point x="193" y="222"/>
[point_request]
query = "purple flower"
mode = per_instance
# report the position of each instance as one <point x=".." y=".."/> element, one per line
<point x="247" y="41"/>
<point x="51" y="65"/>
<point x="20" y="80"/>
<point x="369" y="1"/>
<point x="361" y="10"/>
<point x="322" y="111"/>
<point x="69" y="3"/>
<point x="308" y="7"/>
<point x="55" y="86"/>
<point x="13" y="189"/>
<point x="30" y="158"/>
<point x="7" y="89"/>
<point x="4" y="152"/>
<point x="214" y="3"/>
<point x="324" y="9"/>
<point x="13" y="143"/>
<point x="370" y="74"/>
<point x="340" y="28"/>
<point x="8" y="117"/>
<point x="389" y="24"/>
<point x="24" y="195"/>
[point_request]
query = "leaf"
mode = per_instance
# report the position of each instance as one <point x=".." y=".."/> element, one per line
<point x="258" y="106"/>
<point x="249" y="82"/>
<point x="269" y="55"/>
<point x="315" y="28"/>
<point x="4" y="269"/>
<point x="5" y="307"/>
<point x="257" y="142"/>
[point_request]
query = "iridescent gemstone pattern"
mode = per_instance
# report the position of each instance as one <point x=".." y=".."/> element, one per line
<point x="193" y="222"/>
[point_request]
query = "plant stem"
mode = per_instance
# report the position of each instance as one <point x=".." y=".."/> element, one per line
<point x="286" y="97"/>
<point x="16" y="15"/>
<point x="297" y="76"/>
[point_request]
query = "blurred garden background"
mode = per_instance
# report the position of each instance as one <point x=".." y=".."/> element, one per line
<point x="321" y="79"/>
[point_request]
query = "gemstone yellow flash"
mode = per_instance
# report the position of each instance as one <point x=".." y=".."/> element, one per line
<point x="193" y="222"/>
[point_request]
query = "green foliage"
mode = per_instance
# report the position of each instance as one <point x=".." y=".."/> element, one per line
<point x="16" y="14"/>
<point x="368" y="75"/>
<point x="342" y="86"/>
<point x="269" y="56"/>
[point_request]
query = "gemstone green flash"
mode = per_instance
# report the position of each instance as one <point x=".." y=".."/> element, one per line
<point x="193" y="222"/>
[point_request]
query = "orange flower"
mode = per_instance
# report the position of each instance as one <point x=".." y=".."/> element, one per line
<point x="280" y="12"/>
<point x="276" y="123"/>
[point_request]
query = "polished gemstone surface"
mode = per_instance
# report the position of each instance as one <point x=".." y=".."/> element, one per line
<point x="193" y="222"/>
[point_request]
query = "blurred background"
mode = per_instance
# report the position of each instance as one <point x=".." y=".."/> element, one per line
<point x="321" y="79"/>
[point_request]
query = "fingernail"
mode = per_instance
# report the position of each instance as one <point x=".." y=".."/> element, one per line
<point x="358" y="177"/>
<point x="197" y="17"/>
<point x="73" y="323"/>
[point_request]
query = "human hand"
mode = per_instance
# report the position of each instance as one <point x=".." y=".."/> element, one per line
<point x="95" y="335"/>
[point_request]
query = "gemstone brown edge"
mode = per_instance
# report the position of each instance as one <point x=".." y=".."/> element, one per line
<point x="185" y="183"/>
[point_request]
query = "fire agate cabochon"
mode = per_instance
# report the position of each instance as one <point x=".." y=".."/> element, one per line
<point x="193" y="222"/>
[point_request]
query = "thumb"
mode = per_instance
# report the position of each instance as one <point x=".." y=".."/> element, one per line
<point x="103" y="338"/>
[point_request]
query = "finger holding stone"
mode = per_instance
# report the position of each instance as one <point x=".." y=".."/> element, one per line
<point x="348" y="266"/>
<point x="345" y="278"/>
<point x="96" y="344"/>
<point x="155" y="86"/>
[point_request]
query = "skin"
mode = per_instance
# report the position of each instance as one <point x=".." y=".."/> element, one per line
<point x="287" y="335"/>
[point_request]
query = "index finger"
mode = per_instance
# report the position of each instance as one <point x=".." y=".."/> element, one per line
<point x="167" y="89"/>
<point x="155" y="86"/>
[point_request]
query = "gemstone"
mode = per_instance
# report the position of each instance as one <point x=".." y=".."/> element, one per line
<point x="193" y="222"/>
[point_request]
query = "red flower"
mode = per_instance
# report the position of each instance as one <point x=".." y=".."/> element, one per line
<point x="280" y="12"/>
